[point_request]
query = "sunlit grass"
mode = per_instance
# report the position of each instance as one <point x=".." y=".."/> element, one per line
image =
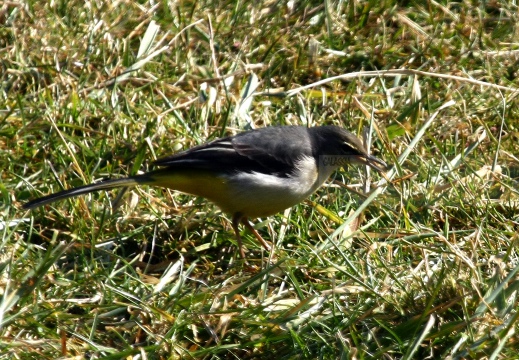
<point x="429" y="269"/>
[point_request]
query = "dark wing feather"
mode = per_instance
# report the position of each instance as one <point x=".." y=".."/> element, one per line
<point x="271" y="150"/>
<point x="201" y="155"/>
<point x="275" y="148"/>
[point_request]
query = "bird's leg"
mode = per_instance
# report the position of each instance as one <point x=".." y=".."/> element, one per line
<point x="249" y="226"/>
<point x="236" y="219"/>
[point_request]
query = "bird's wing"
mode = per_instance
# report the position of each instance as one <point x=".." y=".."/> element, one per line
<point x="265" y="150"/>
<point x="276" y="148"/>
<point x="214" y="154"/>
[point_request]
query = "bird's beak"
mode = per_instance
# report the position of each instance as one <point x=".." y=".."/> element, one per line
<point x="373" y="162"/>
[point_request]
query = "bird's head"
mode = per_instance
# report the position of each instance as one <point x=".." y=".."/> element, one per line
<point x="338" y="147"/>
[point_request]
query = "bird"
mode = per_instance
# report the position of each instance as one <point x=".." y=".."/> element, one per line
<point x="253" y="174"/>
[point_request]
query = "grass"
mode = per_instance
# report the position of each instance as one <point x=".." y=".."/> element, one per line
<point x="427" y="268"/>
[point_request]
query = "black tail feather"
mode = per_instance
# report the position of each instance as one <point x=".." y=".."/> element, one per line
<point x="85" y="189"/>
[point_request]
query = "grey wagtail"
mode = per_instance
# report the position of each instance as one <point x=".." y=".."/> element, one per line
<point x="254" y="174"/>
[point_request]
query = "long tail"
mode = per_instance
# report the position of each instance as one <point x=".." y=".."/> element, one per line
<point x="85" y="189"/>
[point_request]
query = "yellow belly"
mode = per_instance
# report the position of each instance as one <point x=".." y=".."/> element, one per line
<point x="253" y="195"/>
